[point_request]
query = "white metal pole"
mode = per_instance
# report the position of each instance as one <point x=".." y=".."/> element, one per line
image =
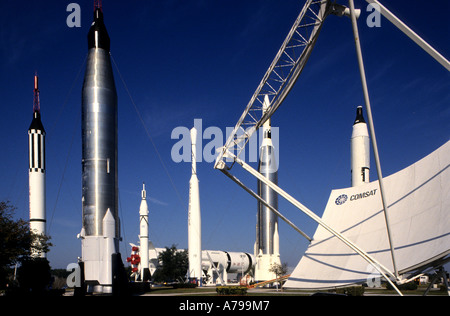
<point x="371" y="128"/>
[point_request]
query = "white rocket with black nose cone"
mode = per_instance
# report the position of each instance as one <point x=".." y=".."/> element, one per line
<point x="267" y="238"/>
<point x="194" y="220"/>
<point x="100" y="231"/>
<point x="36" y="170"/>
<point x="143" y="236"/>
<point x="360" y="150"/>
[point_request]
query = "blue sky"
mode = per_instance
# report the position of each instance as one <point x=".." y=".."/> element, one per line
<point x="183" y="60"/>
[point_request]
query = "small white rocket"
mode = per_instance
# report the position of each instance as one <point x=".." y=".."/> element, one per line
<point x="194" y="219"/>
<point x="36" y="170"/>
<point x="360" y="150"/>
<point x="143" y="237"/>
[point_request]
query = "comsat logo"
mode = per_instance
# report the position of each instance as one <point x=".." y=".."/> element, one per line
<point x="341" y="199"/>
<point x="363" y="195"/>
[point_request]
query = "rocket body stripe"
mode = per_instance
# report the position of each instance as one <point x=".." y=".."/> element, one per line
<point x="31" y="150"/>
<point x="36" y="140"/>
<point x="43" y="152"/>
<point x="39" y="153"/>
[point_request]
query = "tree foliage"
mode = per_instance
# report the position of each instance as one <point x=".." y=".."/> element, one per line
<point x="278" y="269"/>
<point x="16" y="241"/>
<point x="174" y="265"/>
<point x="15" y="236"/>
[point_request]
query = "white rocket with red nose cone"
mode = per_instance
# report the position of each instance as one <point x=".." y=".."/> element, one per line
<point x="36" y="170"/>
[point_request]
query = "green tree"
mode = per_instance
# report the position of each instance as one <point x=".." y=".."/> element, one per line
<point x="16" y="241"/>
<point x="279" y="270"/>
<point x="174" y="265"/>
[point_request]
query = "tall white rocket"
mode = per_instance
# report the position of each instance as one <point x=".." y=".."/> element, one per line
<point x="267" y="249"/>
<point x="194" y="219"/>
<point x="143" y="236"/>
<point x="99" y="137"/>
<point x="36" y="170"/>
<point x="360" y="150"/>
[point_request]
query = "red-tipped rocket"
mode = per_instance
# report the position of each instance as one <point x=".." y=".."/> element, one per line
<point x="360" y="150"/>
<point x="36" y="169"/>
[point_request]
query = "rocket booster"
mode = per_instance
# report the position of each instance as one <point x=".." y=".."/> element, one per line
<point x="143" y="236"/>
<point x="194" y="218"/>
<point x="99" y="132"/>
<point x="267" y="221"/>
<point x="360" y="150"/>
<point x="100" y="231"/>
<point x="36" y="169"/>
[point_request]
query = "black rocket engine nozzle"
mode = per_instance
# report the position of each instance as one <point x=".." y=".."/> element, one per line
<point x="98" y="36"/>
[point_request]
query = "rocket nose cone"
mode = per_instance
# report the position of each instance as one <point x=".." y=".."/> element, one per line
<point x="36" y="123"/>
<point x="98" y="36"/>
<point x="359" y="116"/>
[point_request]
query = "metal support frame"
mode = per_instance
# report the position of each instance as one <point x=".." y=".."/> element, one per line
<point x="377" y="265"/>
<point x="281" y="74"/>
<point x="215" y="268"/>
